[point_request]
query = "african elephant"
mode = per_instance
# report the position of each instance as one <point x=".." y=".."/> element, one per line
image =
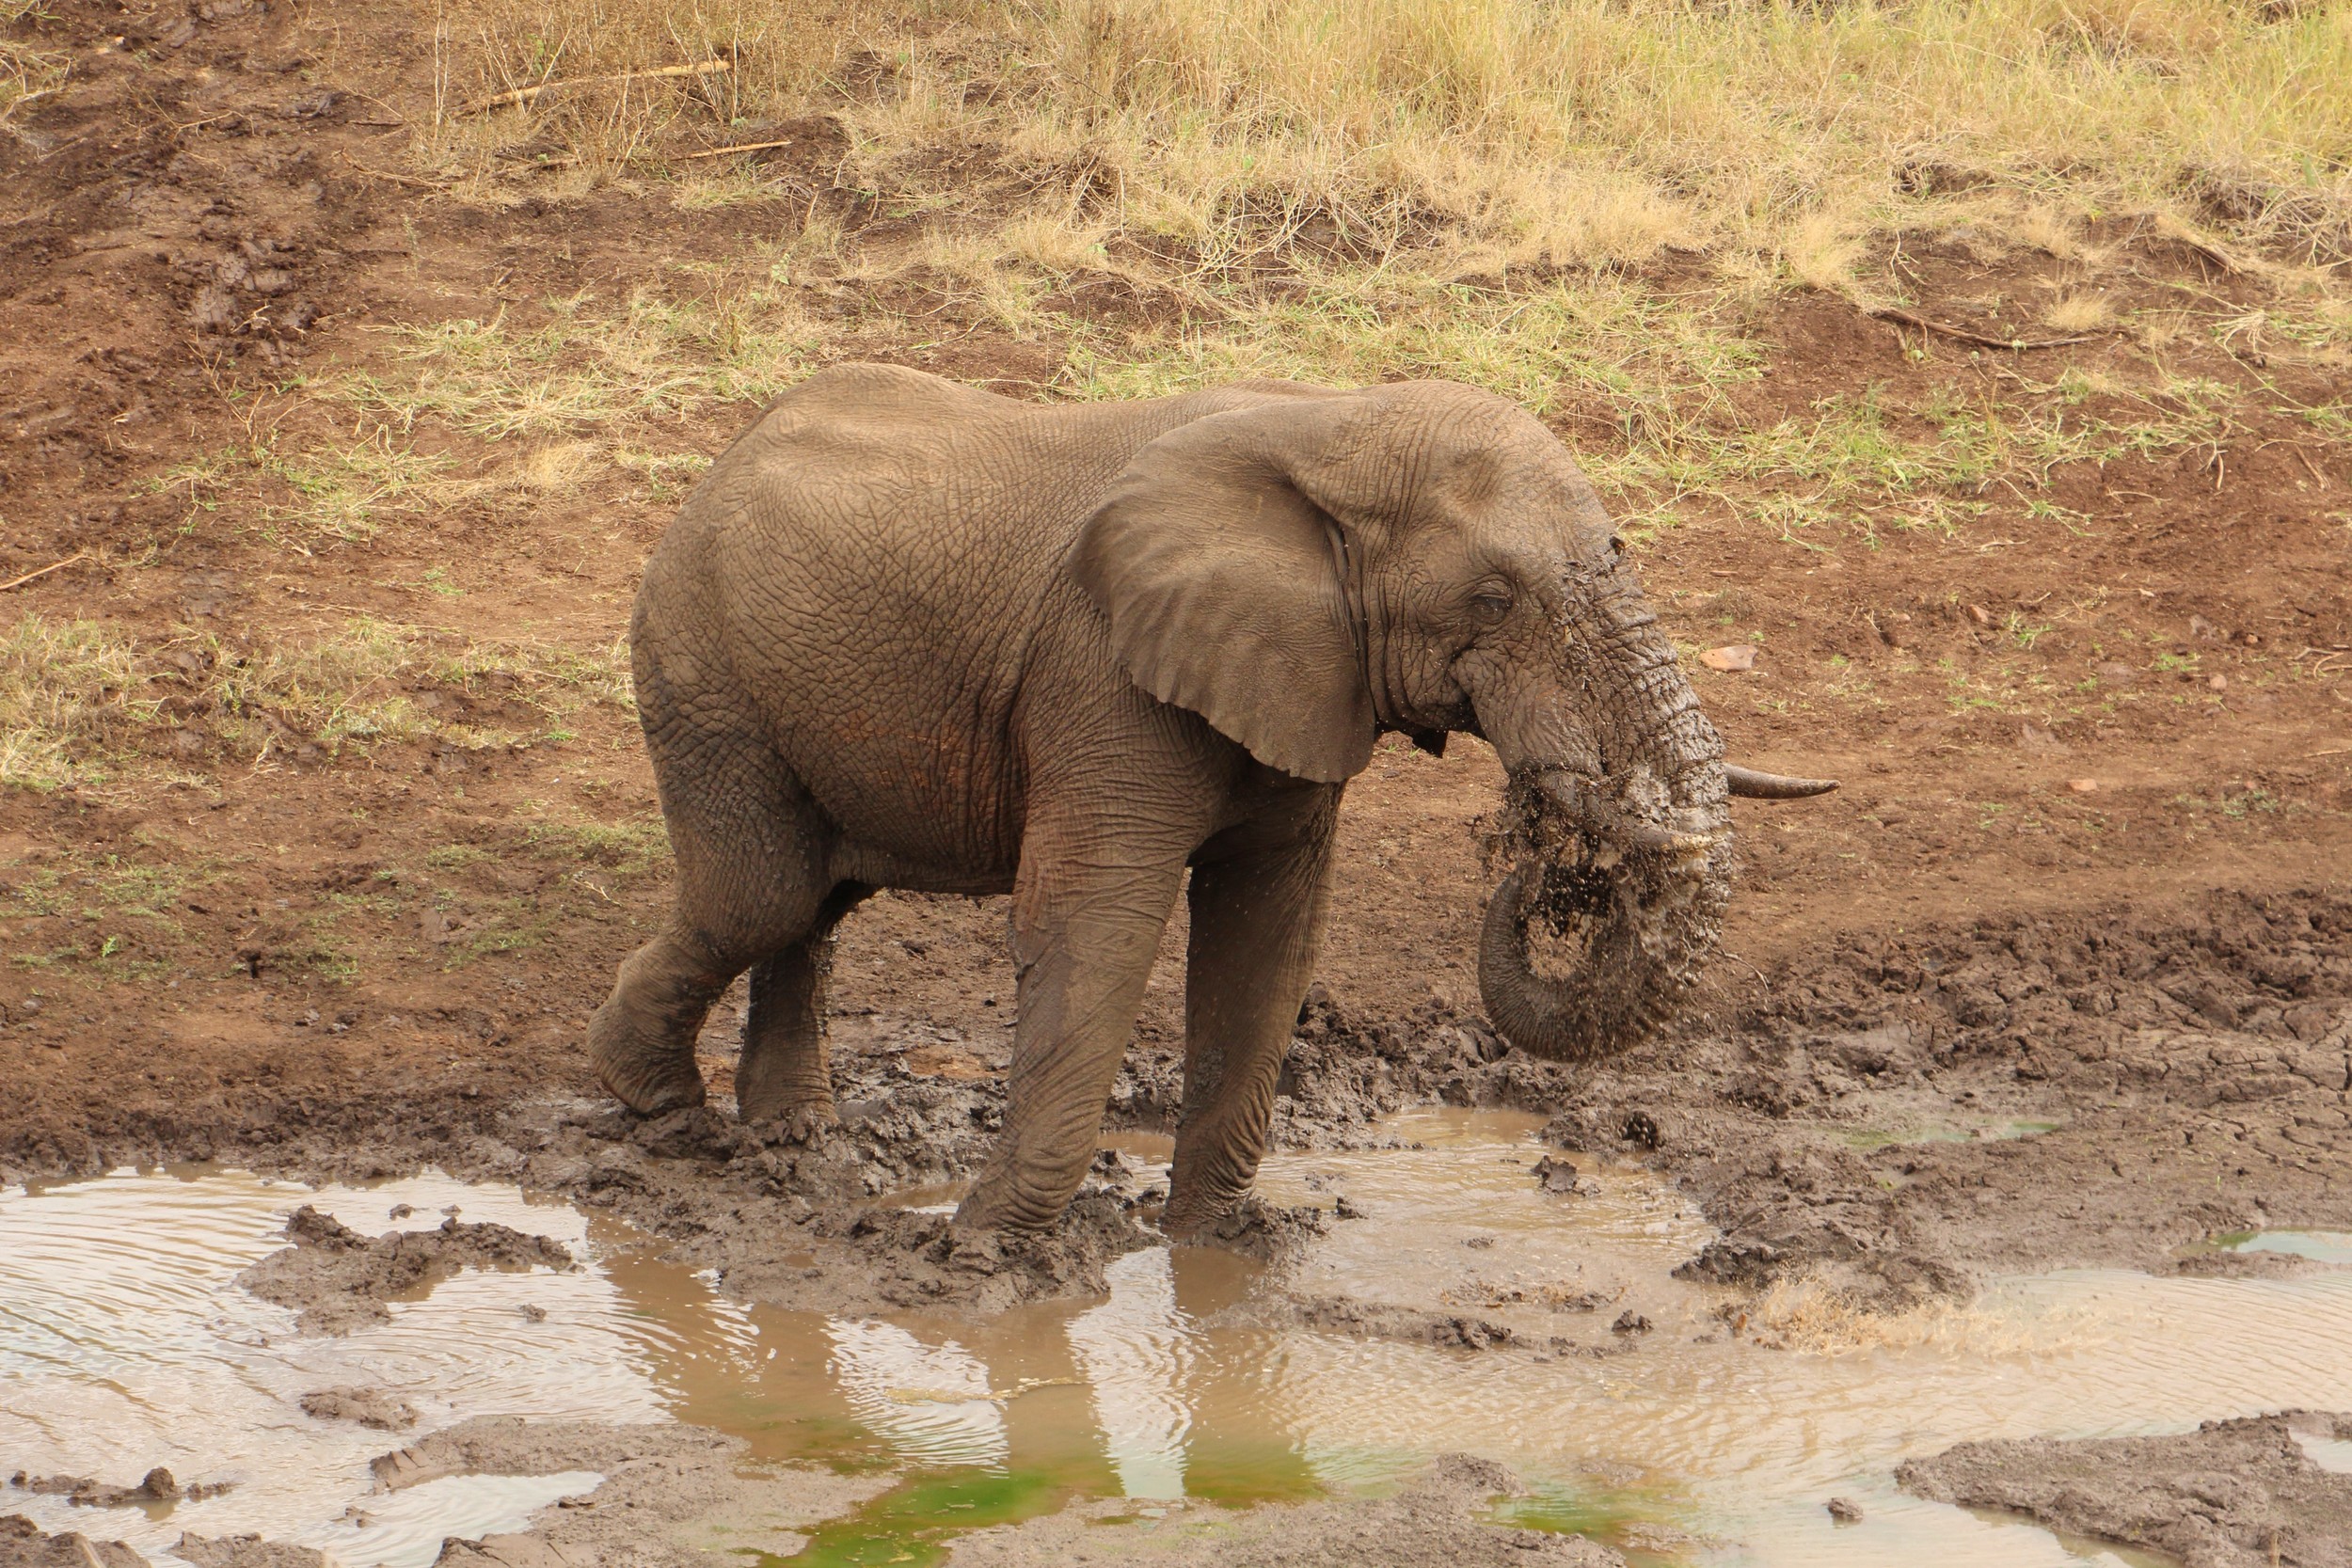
<point x="908" y="634"/>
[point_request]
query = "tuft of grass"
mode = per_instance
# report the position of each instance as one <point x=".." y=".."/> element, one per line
<point x="1813" y="1316"/>
<point x="2081" y="313"/>
<point x="27" y="72"/>
<point x="586" y="369"/>
<point x="336" y="490"/>
<point x="63" y="687"/>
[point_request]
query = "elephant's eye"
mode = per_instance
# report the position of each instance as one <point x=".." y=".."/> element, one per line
<point x="1490" y="606"/>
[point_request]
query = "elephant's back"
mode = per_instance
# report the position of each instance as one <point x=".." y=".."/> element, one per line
<point x="866" y="570"/>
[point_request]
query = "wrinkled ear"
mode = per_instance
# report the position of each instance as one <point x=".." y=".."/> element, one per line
<point x="1222" y="583"/>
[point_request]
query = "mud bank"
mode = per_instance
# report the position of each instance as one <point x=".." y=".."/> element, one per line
<point x="1913" y="1109"/>
<point x="2230" y="1494"/>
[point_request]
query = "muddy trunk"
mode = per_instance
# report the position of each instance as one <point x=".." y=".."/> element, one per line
<point x="1619" y="878"/>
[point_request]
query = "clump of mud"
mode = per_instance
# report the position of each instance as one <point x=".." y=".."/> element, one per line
<point x="1437" y="1522"/>
<point x="367" y="1407"/>
<point x="157" y="1486"/>
<point x="2230" y="1494"/>
<point x="22" y="1545"/>
<point x="339" y="1280"/>
<point x="246" y="1551"/>
<point x="1375" y="1320"/>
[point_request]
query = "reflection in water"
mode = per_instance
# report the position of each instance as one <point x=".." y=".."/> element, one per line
<point x="123" y="1345"/>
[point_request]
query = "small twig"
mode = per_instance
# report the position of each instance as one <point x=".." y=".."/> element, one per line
<point x="2306" y="459"/>
<point x="2334" y="752"/>
<point x="525" y="95"/>
<point x="1961" y="334"/>
<point x="738" y="147"/>
<point x="18" y="582"/>
<point x="395" y="178"/>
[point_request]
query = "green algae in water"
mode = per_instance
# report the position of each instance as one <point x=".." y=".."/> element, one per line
<point x="913" y="1523"/>
<point x="1610" y="1515"/>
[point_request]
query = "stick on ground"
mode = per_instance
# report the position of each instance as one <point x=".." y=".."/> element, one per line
<point x="54" y="565"/>
<point x="524" y="95"/>
<point x="1961" y="334"/>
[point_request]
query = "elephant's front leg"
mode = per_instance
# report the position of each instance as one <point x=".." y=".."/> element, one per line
<point x="1087" y="914"/>
<point x="1258" y="915"/>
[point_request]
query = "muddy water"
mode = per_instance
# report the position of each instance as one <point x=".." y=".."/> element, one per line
<point x="123" y="1344"/>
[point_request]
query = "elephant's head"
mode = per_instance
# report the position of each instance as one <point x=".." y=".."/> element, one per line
<point x="1308" y="568"/>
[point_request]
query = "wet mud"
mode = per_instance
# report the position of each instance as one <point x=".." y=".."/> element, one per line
<point x="670" y="1493"/>
<point x="1894" y="1117"/>
<point x="2236" y="1494"/>
<point x="1894" y="1114"/>
<point x="337" y="1281"/>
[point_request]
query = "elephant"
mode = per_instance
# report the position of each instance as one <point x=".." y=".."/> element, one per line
<point x="910" y="634"/>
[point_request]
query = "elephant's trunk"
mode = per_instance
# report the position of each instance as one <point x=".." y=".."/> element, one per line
<point x="1620" y="876"/>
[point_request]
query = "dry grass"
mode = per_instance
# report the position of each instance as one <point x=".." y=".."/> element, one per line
<point x="80" y="700"/>
<point x="1475" y="135"/>
<point x="25" y="73"/>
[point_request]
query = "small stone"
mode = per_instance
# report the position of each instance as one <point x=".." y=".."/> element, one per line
<point x="1733" y="658"/>
<point x="1629" y="1322"/>
<point x="2219" y="682"/>
<point x="2083" y="786"/>
<point x="534" y="1313"/>
<point x="1845" y="1511"/>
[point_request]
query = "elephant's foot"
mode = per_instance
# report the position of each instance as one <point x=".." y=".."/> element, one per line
<point x="804" y="1121"/>
<point x="1195" y="1216"/>
<point x="1001" y="1201"/>
<point x="649" y="1075"/>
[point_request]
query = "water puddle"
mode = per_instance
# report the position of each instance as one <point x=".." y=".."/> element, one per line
<point x="123" y="1344"/>
<point x="2327" y="1247"/>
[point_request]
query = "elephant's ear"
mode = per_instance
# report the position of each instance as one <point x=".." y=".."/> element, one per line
<point x="1223" y="585"/>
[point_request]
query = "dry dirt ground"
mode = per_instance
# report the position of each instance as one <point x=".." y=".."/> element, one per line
<point x="354" y="825"/>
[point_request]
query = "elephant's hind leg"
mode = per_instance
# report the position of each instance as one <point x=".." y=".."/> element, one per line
<point x="752" y="879"/>
<point x="785" y="1074"/>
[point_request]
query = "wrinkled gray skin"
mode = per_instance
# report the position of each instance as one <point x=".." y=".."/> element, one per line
<point x="911" y="635"/>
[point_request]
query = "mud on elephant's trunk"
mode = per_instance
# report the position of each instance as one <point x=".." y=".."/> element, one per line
<point x="1607" y="916"/>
